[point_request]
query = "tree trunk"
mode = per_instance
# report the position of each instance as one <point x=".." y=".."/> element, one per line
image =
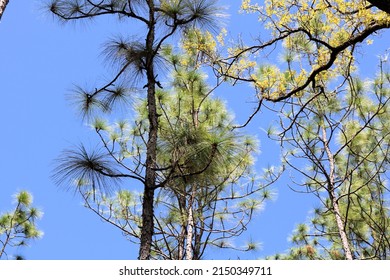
<point x="147" y="229"/>
<point x="181" y="238"/>
<point x="190" y="225"/>
<point x="3" y="4"/>
<point x="198" y="236"/>
<point x="335" y="205"/>
<point x="340" y="226"/>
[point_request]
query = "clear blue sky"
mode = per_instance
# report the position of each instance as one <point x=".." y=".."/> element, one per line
<point x="40" y="60"/>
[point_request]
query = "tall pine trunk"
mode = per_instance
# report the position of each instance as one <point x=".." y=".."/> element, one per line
<point x="147" y="229"/>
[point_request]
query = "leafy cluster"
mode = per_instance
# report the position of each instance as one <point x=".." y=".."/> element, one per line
<point x="319" y="40"/>
<point x="18" y="226"/>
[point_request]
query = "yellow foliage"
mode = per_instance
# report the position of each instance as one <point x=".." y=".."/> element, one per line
<point x="315" y="28"/>
<point x="221" y="37"/>
<point x="197" y="40"/>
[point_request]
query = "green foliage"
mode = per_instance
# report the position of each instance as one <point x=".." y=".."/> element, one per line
<point x="18" y="226"/>
<point x="203" y="164"/>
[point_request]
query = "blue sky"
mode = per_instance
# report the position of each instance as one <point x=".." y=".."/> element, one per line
<point x="40" y="61"/>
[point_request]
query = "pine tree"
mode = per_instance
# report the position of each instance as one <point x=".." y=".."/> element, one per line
<point x="18" y="226"/>
<point x="207" y="192"/>
<point x="135" y="58"/>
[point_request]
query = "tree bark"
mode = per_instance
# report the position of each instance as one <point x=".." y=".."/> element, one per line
<point x="340" y="226"/>
<point x="383" y="5"/>
<point x="190" y="225"/>
<point x="3" y="4"/>
<point x="147" y="229"/>
<point x="183" y="228"/>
